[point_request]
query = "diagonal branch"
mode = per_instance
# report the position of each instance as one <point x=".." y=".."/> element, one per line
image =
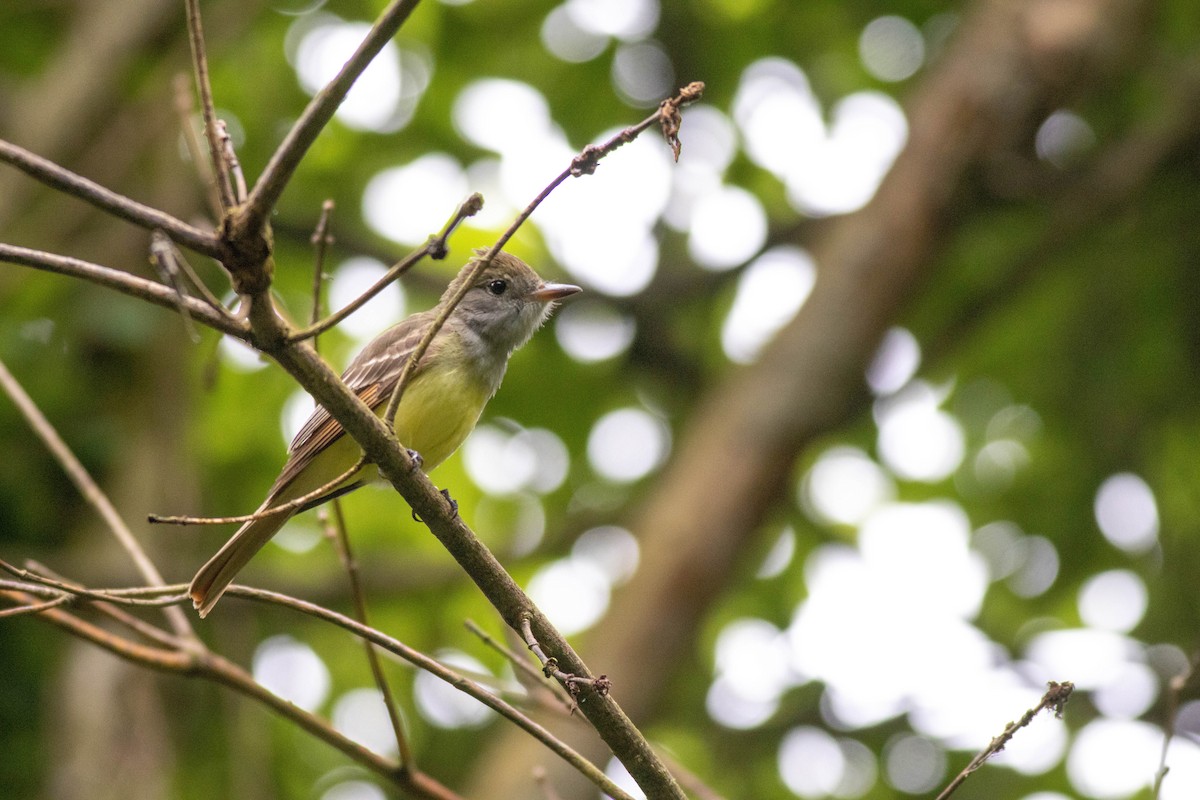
<point x="204" y="90"/>
<point x="125" y="283"/>
<point x="118" y="205"/>
<point x="263" y="197"/>
<point x="91" y="493"/>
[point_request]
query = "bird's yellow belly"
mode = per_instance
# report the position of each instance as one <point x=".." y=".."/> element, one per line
<point x="437" y="412"/>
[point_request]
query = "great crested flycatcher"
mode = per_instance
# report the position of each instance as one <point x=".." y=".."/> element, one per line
<point x="458" y="374"/>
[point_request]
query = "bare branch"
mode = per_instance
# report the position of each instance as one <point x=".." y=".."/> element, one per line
<point x="381" y="448"/>
<point x="292" y="505"/>
<point x="458" y="681"/>
<point x="183" y="107"/>
<point x="161" y="243"/>
<point x="435" y="248"/>
<point x="341" y="541"/>
<point x="204" y="90"/>
<point x="266" y="192"/>
<point x="321" y="239"/>
<point x="533" y="677"/>
<point x="68" y="182"/>
<point x="164" y="258"/>
<point x="583" y="164"/>
<point x="1056" y="697"/>
<point x="125" y="283"/>
<point x="91" y="492"/>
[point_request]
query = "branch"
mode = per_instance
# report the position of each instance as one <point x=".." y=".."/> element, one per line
<point x="435" y="248"/>
<point x="583" y="164"/>
<point x="118" y="205"/>
<point x="336" y="531"/>
<point x="125" y="283"/>
<point x="321" y="239"/>
<point x="1175" y="689"/>
<point x="1056" y="697"/>
<point x="251" y="217"/>
<point x="211" y="666"/>
<point x="436" y="668"/>
<point x="395" y="465"/>
<point x="91" y="493"/>
<point x="216" y="150"/>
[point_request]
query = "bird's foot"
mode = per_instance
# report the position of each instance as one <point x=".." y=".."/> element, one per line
<point x="453" y="503"/>
<point x="453" y="506"/>
<point x="418" y="462"/>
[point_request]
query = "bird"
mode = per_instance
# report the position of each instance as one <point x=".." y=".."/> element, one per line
<point x="459" y="373"/>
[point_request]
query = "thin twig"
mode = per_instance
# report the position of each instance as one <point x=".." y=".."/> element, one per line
<point x="1175" y="689"/>
<point x="161" y="597"/>
<point x="1056" y="697"/>
<point x="455" y="679"/>
<point x="278" y="172"/>
<point x="107" y="200"/>
<point x="36" y="608"/>
<point x="91" y="493"/>
<point x="522" y="665"/>
<point x="341" y="541"/>
<point x="435" y="248"/>
<point x="125" y="283"/>
<point x="213" y="667"/>
<point x="185" y="110"/>
<point x="163" y="257"/>
<point x="321" y="239"/>
<point x="583" y="164"/>
<point x="204" y="90"/>
<point x="46" y="577"/>
<point x="573" y="683"/>
<point x="262" y="513"/>
<point x="185" y="267"/>
<point x="229" y="155"/>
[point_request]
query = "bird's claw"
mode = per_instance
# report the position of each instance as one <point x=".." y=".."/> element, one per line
<point x="446" y="494"/>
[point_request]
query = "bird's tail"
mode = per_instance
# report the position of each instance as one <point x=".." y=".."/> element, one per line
<point x="214" y="577"/>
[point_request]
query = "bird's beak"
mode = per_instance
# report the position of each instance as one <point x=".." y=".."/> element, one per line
<point x="555" y="291"/>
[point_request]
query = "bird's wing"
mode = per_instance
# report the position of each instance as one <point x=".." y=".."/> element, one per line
<point x="372" y="375"/>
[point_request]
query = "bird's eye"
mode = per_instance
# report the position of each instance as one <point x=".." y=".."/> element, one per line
<point x="497" y="287"/>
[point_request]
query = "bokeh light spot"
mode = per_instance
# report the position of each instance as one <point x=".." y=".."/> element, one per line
<point x="612" y="549"/>
<point x="408" y="204"/>
<point x="625" y="19"/>
<point x="643" y="74"/>
<point x="361" y="715"/>
<point x="564" y="38"/>
<point x="573" y="591"/>
<point x="769" y="293"/>
<point x="891" y="48"/>
<point x="354" y="790"/>
<point x="353" y="277"/>
<point x="917" y="439"/>
<point x="1038" y="568"/>
<point x="913" y="764"/>
<point x="627" y="444"/>
<point x="1063" y="139"/>
<point x="442" y="704"/>
<point x="845" y="486"/>
<point x="1127" y="513"/>
<point x="895" y="362"/>
<point x="1113" y="601"/>
<point x="592" y="330"/>
<point x="728" y="227"/>
<point x="810" y="762"/>
<point x="292" y="670"/>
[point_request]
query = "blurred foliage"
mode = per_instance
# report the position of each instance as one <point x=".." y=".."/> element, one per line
<point x="1100" y="335"/>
